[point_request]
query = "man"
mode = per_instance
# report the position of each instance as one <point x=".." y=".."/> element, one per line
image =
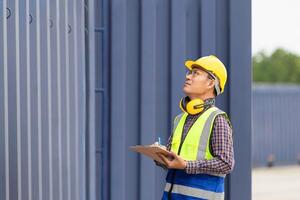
<point x="201" y="143"/>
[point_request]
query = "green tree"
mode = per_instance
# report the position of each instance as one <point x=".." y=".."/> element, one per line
<point x="281" y="66"/>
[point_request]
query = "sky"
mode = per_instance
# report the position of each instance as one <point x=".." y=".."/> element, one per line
<point x="275" y="23"/>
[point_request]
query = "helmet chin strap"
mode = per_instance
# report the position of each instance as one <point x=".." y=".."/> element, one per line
<point x="217" y="84"/>
<point x="217" y="88"/>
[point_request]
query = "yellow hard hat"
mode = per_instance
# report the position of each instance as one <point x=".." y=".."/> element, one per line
<point x="212" y="65"/>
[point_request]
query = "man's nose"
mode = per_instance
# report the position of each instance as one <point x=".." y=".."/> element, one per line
<point x="188" y="76"/>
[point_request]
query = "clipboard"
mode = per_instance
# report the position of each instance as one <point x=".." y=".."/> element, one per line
<point x="151" y="151"/>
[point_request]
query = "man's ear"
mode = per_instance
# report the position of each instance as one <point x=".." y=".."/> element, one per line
<point x="211" y="83"/>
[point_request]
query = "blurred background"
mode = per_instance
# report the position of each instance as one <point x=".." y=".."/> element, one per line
<point x="276" y="97"/>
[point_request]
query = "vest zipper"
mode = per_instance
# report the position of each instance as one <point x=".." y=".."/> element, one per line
<point x="178" y="153"/>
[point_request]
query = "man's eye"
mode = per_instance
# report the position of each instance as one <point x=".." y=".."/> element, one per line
<point x="196" y="73"/>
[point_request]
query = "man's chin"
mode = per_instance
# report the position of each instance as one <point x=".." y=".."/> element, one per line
<point x="185" y="91"/>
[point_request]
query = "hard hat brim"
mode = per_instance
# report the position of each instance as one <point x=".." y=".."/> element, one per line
<point x="190" y="63"/>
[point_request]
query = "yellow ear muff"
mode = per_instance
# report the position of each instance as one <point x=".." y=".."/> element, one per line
<point x="195" y="106"/>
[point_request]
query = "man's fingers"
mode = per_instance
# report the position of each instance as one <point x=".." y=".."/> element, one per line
<point x="173" y="161"/>
<point x="174" y="155"/>
<point x="164" y="159"/>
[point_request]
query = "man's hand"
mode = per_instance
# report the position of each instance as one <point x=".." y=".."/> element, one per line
<point x="173" y="161"/>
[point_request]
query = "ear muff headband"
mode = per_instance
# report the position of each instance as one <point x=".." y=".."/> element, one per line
<point x="194" y="106"/>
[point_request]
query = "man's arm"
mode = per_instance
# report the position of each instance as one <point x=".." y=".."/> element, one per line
<point x="222" y="150"/>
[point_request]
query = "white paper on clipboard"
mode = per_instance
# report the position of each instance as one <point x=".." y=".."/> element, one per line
<point x="151" y="151"/>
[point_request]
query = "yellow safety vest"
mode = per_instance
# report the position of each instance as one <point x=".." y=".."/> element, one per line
<point x="194" y="147"/>
<point x="196" y="143"/>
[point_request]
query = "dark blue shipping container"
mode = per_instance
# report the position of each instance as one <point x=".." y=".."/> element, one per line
<point x="142" y="72"/>
<point x="42" y="100"/>
<point x="81" y="81"/>
<point x="276" y="127"/>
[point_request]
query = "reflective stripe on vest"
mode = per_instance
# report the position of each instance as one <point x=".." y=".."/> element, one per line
<point x="176" y="121"/>
<point x="204" y="138"/>
<point x="194" y="192"/>
<point x="196" y="143"/>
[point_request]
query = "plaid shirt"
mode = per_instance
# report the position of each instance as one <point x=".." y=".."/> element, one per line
<point x="221" y="146"/>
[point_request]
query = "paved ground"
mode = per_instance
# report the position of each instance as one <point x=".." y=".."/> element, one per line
<point x="277" y="183"/>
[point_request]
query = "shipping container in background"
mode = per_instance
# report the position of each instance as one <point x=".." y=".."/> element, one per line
<point x="81" y="81"/>
<point x="42" y="104"/>
<point x="149" y="41"/>
<point x="276" y="127"/>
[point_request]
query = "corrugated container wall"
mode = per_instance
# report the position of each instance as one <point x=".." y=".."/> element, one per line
<point x="42" y="100"/>
<point x="276" y="127"/>
<point x="81" y="81"/>
<point x="141" y="46"/>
